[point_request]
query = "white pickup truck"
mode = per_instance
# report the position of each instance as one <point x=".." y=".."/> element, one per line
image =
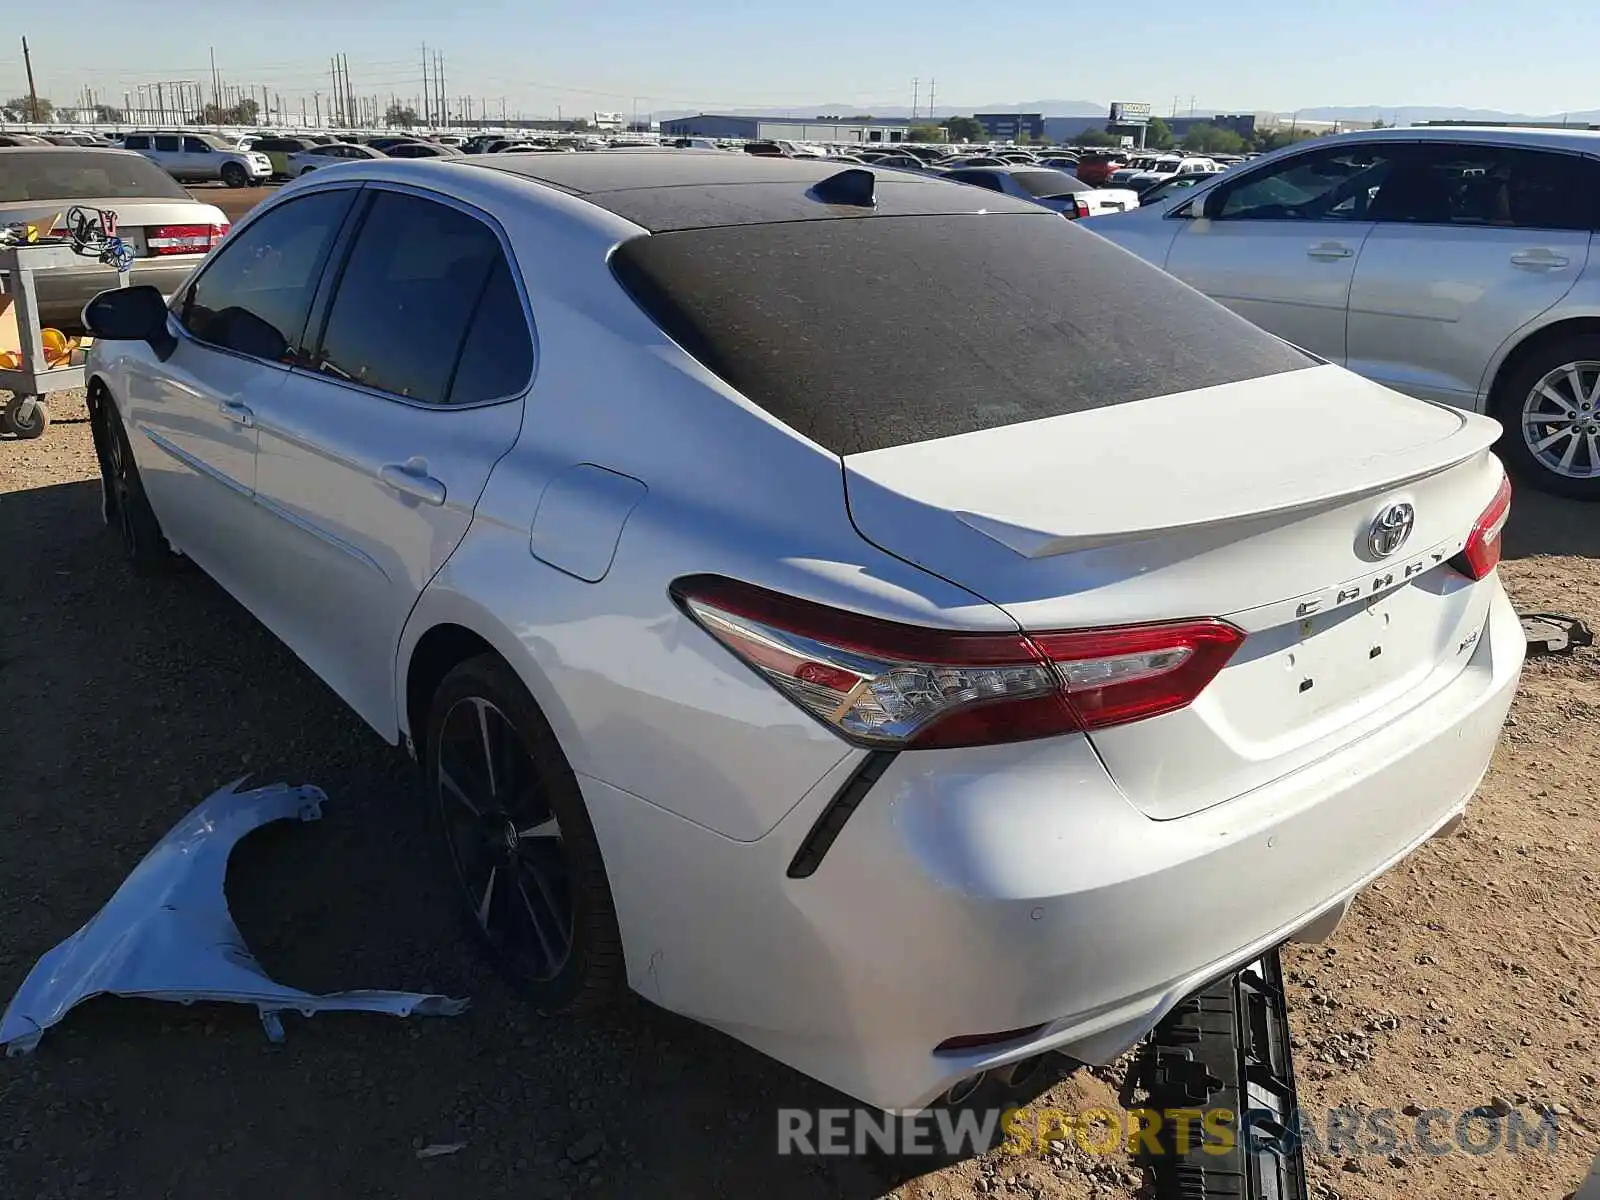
<point x="201" y="158"/>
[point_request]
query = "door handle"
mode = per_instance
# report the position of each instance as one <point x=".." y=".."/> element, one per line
<point x="1329" y="250"/>
<point x="239" y="414"/>
<point x="411" y="478"/>
<point x="1539" y="258"/>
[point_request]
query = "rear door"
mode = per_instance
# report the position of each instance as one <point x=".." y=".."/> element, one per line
<point x="373" y="455"/>
<point x="1470" y="243"/>
<point x="169" y="153"/>
<point x="237" y="322"/>
<point x="1278" y="245"/>
<point x="199" y="159"/>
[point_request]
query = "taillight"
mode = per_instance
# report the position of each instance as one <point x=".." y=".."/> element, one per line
<point x="1080" y="208"/>
<point x="1482" y="551"/>
<point x="884" y="684"/>
<point x="183" y="239"/>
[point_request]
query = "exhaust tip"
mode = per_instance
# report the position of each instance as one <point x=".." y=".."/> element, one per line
<point x="1018" y="1073"/>
<point x="963" y="1091"/>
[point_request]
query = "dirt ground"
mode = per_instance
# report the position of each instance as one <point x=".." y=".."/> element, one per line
<point x="1469" y="974"/>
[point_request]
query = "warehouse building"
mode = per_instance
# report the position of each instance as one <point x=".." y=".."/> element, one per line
<point x="1006" y="127"/>
<point x="792" y="129"/>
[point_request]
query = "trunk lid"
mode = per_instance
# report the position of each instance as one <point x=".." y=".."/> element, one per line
<point x="1249" y="501"/>
<point x="134" y="217"/>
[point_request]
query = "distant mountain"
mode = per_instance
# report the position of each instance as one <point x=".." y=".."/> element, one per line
<point x="1412" y="114"/>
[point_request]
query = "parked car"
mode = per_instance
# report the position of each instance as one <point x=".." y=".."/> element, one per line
<point x="422" y="150"/>
<point x="1173" y="185"/>
<point x="388" y="142"/>
<point x="878" y="696"/>
<point x="167" y="229"/>
<point x="309" y="159"/>
<point x="1055" y="190"/>
<point x="1095" y="166"/>
<point x="201" y="158"/>
<point x="278" y="149"/>
<point x="1453" y="264"/>
<point x="21" y="139"/>
<point x="1165" y="169"/>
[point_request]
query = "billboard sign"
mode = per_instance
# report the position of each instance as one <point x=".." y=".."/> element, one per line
<point x="608" y="120"/>
<point x="1128" y="113"/>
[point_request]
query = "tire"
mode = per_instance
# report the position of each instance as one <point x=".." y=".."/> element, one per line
<point x="524" y="897"/>
<point x="25" y="417"/>
<point x="235" y="176"/>
<point x="1542" y="387"/>
<point x="127" y="508"/>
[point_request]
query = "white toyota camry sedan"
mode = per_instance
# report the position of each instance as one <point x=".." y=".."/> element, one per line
<point x="866" y="614"/>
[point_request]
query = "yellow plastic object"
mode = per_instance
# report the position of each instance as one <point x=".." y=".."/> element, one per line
<point x="41" y="229"/>
<point x="58" y="351"/>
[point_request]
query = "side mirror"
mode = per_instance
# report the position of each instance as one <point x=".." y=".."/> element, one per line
<point x="130" y="314"/>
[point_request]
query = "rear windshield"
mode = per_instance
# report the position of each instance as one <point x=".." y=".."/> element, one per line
<point x="882" y="331"/>
<point x="1049" y="183"/>
<point x="86" y="175"/>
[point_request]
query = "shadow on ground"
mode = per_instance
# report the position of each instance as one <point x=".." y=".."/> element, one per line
<point x="1543" y="524"/>
<point x="129" y="700"/>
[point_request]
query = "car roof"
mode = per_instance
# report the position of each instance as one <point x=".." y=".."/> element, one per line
<point x="1585" y="140"/>
<point x="52" y="148"/>
<point x="665" y="190"/>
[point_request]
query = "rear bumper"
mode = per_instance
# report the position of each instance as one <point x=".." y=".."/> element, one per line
<point x="1014" y="888"/>
<point x="62" y="294"/>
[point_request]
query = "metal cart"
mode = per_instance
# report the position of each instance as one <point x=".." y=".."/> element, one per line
<point x="25" y="413"/>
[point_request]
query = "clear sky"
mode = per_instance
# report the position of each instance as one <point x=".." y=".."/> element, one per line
<point x="615" y="55"/>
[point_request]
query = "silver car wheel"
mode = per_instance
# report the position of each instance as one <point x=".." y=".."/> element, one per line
<point x="1561" y="420"/>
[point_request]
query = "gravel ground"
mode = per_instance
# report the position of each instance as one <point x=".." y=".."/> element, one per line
<point x="1471" y="973"/>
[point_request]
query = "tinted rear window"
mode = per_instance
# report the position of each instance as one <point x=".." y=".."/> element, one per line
<point x="1049" y="183"/>
<point x="89" y="175"/>
<point x="876" y="332"/>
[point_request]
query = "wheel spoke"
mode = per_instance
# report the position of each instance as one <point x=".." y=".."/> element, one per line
<point x="447" y="781"/>
<point x="1574" y="374"/>
<point x="1566" y="406"/>
<point x="549" y="828"/>
<point x="552" y="957"/>
<point x="488" y="897"/>
<point x="1594" y="453"/>
<point x="1543" y="444"/>
<point x="1570" y="452"/>
<point x="488" y="749"/>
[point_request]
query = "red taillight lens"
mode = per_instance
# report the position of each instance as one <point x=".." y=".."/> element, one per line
<point x="881" y="683"/>
<point x="1482" y="551"/>
<point x="1080" y="208"/>
<point x="182" y="239"/>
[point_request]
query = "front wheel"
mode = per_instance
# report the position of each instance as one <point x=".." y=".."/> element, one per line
<point x="126" y="506"/>
<point x="234" y="175"/>
<point x="1550" y="407"/>
<point x="515" y="832"/>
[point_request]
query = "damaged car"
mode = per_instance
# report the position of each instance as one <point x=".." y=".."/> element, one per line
<point x="808" y="609"/>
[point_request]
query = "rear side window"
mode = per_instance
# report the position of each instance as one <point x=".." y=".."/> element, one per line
<point x="408" y="300"/>
<point x="254" y="294"/>
<point x="166" y="141"/>
<point x="868" y="333"/>
<point x="84" y="175"/>
<point x="136" y="141"/>
<point x="1499" y="186"/>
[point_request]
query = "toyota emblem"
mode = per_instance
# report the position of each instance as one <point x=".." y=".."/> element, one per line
<point x="1390" y="529"/>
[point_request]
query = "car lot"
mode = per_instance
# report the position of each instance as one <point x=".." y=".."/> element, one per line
<point x="1472" y="972"/>
<point x="233" y="201"/>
